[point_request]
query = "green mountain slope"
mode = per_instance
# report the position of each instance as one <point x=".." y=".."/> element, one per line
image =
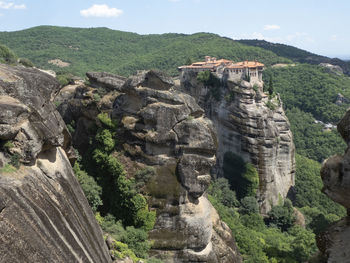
<point x="296" y="54"/>
<point x="103" y="49"/>
<point x="309" y="92"/>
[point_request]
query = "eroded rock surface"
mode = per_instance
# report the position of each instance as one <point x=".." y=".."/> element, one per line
<point x="166" y="129"/>
<point x="44" y="215"/>
<point x="335" y="173"/>
<point x="252" y="126"/>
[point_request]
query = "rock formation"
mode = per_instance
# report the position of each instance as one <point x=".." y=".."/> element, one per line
<point x="166" y="129"/>
<point x="335" y="173"/>
<point x="253" y="126"/>
<point x="44" y="215"/>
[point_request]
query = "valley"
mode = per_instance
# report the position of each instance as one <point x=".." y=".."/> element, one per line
<point x="179" y="160"/>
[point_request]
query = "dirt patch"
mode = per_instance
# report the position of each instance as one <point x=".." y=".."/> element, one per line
<point x="280" y="65"/>
<point x="59" y="63"/>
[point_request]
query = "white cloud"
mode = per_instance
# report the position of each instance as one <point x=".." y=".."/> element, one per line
<point x="271" y="27"/>
<point x="101" y="11"/>
<point x="334" y="37"/>
<point x="11" y="5"/>
<point x="22" y="6"/>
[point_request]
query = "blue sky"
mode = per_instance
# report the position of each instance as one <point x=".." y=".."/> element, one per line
<point x="320" y="26"/>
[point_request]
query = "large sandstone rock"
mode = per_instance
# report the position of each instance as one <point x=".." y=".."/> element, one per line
<point x="335" y="173"/>
<point x="248" y="126"/>
<point x="44" y="215"/>
<point x="164" y="128"/>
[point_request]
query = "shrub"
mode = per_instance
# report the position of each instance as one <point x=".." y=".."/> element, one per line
<point x="65" y="79"/>
<point x="282" y="216"/>
<point x="7" y="56"/>
<point x="89" y="186"/>
<point x="26" y="62"/>
<point x="107" y="121"/>
<point x="15" y="160"/>
<point x="105" y="140"/>
<point x="249" y="205"/>
<point x="220" y="189"/>
<point x="8" y="168"/>
<point x="134" y="238"/>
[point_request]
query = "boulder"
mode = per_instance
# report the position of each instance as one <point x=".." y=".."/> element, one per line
<point x="334" y="242"/>
<point x="44" y="215"/>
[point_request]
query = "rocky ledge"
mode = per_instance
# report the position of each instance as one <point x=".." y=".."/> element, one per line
<point x="44" y="215"/>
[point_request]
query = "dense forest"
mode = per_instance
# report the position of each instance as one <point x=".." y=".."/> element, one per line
<point x="309" y="92"/>
<point x="103" y="49"/>
<point x="296" y="54"/>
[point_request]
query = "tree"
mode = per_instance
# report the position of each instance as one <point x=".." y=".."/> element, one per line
<point x="188" y="61"/>
<point x="249" y="205"/>
<point x="90" y="188"/>
<point x="220" y="189"/>
<point x="270" y="89"/>
<point x="282" y="216"/>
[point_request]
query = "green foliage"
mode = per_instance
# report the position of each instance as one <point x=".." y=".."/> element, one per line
<point x="121" y="251"/>
<point x="8" y="168"/>
<point x="65" y="79"/>
<point x="15" y="160"/>
<point x="282" y="216"/>
<point x="188" y="61"/>
<point x="308" y="185"/>
<point x="105" y="140"/>
<point x="243" y="177"/>
<point x="220" y="189"/>
<point x="7" y="56"/>
<point x="260" y="243"/>
<point x="270" y="89"/>
<point x="304" y="243"/>
<point x="7" y="145"/>
<point x="106" y="121"/>
<point x="310" y="139"/>
<point x="123" y="53"/>
<point x="319" y="210"/>
<point x="90" y="188"/>
<point x="249" y="205"/>
<point x="296" y="54"/>
<point x="211" y="81"/>
<point x="26" y="62"/>
<point x="311" y="89"/>
<point x="135" y="239"/>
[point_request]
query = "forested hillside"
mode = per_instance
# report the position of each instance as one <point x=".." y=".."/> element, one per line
<point x="103" y="49"/>
<point x="296" y="54"/>
<point x="308" y="92"/>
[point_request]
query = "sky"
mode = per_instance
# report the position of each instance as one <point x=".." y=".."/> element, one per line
<point x="319" y="26"/>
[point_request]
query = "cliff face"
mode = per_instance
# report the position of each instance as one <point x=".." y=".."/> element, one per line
<point x="44" y="216"/>
<point x="334" y="243"/>
<point x="252" y="126"/>
<point x="166" y="129"/>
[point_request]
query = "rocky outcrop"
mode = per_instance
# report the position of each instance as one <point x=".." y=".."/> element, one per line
<point x="335" y="173"/>
<point x="44" y="215"/>
<point x="166" y="129"/>
<point x="335" y="69"/>
<point x="253" y="126"/>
